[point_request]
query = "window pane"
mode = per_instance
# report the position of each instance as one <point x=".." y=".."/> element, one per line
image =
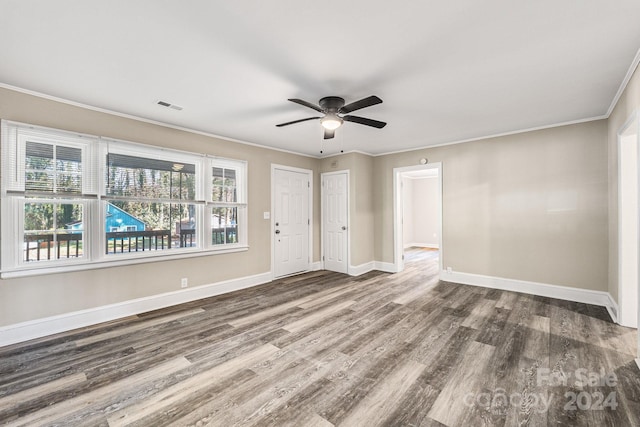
<point x="53" y="168"/>
<point x="132" y="226"/>
<point x="224" y="185"/>
<point x="149" y="178"/>
<point x="52" y="231"/>
<point x="224" y="226"/>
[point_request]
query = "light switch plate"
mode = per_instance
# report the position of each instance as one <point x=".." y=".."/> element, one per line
<point x="266" y="215"/>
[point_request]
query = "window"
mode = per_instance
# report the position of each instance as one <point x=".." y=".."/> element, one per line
<point x="227" y="202"/>
<point x="83" y="200"/>
<point x="157" y="194"/>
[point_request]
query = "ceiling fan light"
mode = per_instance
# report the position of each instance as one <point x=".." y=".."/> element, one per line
<point x="331" y="122"/>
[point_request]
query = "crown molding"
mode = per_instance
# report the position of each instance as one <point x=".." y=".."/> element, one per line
<point x="625" y="82"/>
<point x="145" y="120"/>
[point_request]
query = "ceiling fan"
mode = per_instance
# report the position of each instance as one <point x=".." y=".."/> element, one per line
<point x="335" y="113"/>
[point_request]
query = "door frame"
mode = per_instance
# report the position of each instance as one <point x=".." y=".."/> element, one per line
<point x="398" y="202"/>
<point x="272" y="228"/>
<point x="632" y="122"/>
<point x="322" y="175"/>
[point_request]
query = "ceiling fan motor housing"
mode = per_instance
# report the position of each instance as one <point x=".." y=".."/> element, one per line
<point x="331" y="104"/>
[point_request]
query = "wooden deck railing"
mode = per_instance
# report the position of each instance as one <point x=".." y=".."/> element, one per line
<point x="69" y="245"/>
<point x="134" y="241"/>
<point x="221" y="236"/>
<point x="65" y="245"/>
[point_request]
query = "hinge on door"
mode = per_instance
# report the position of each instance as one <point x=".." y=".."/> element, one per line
<point x="308" y="184"/>
<point x="308" y="222"/>
<point x="403" y="257"/>
<point x="323" y="257"/>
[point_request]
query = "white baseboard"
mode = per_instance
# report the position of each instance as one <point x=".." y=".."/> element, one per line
<point x="585" y="296"/>
<point x="612" y="308"/>
<point x="25" y="331"/>
<point x="357" y="270"/>
<point x="422" y="245"/>
<point x="318" y="265"/>
<point x="387" y="267"/>
<point x="638" y="362"/>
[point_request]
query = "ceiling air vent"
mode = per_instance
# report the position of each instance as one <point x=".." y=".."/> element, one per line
<point x="168" y="105"/>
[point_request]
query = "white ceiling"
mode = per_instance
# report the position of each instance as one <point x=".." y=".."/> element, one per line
<point x="447" y="71"/>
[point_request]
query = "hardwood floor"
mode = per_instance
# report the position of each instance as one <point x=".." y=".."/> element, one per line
<point x="324" y="349"/>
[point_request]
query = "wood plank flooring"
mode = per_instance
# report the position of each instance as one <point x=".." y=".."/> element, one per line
<point x="326" y="349"/>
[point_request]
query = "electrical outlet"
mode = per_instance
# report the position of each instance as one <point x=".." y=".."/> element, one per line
<point x="449" y="270"/>
<point x="184" y="282"/>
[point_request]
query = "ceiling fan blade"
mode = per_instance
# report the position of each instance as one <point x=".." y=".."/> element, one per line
<point x="365" y="102"/>
<point x="329" y="133"/>
<point x="297" y="121"/>
<point x="365" y="121"/>
<point x="307" y="104"/>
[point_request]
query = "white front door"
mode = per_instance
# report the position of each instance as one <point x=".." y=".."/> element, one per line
<point x="291" y="222"/>
<point x="335" y="235"/>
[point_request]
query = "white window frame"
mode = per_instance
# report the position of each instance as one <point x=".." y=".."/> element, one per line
<point x="109" y="146"/>
<point x="241" y="200"/>
<point x="94" y="197"/>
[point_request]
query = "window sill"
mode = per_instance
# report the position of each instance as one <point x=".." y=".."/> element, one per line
<point x="26" y="271"/>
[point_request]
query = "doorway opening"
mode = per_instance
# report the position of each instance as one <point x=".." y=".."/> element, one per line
<point x="417" y="214"/>
<point x="628" y="222"/>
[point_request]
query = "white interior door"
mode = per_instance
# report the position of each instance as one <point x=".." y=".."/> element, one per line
<point x="335" y="199"/>
<point x="291" y="222"/>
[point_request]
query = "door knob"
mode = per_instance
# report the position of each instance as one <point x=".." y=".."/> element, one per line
<point x="344" y="227"/>
<point x="277" y="231"/>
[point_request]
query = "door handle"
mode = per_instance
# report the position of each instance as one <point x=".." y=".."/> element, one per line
<point x="344" y="227"/>
<point x="277" y="231"/>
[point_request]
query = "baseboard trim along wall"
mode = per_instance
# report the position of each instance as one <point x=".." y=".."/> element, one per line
<point x="38" y="328"/>
<point x="357" y="270"/>
<point x="318" y="265"/>
<point x="612" y="308"/>
<point x="386" y="267"/>
<point x="585" y="296"/>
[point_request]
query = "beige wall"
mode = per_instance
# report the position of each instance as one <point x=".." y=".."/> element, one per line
<point x="361" y="210"/>
<point x="628" y="103"/>
<point x="537" y="206"/>
<point x="424" y="230"/>
<point x="40" y="296"/>
<point x="407" y="211"/>
<point x="530" y="206"/>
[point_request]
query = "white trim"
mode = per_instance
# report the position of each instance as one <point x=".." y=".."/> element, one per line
<point x="141" y="119"/>
<point x="107" y="263"/>
<point x="309" y="174"/>
<point x="387" y="267"/>
<point x="398" y="246"/>
<point x="633" y="120"/>
<point x="612" y="308"/>
<point x="357" y="270"/>
<point x="317" y="266"/>
<point x="32" y="329"/>
<point x="496" y="135"/>
<point x="226" y="138"/>
<point x="624" y="83"/>
<point x="638" y="362"/>
<point x="585" y="296"/>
